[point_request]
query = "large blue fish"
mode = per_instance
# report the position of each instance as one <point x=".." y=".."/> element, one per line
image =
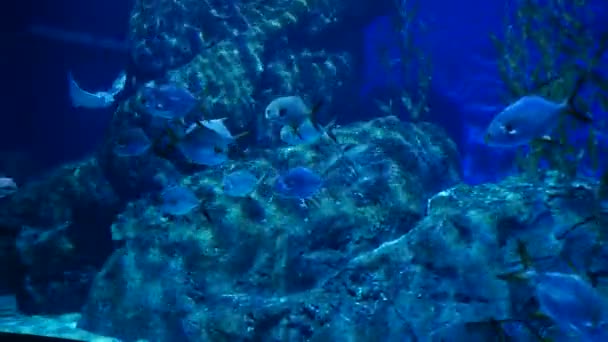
<point x="298" y="182"/>
<point x="166" y="101"/>
<point x="531" y="117"/>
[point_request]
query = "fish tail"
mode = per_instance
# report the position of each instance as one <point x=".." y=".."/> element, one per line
<point x="525" y="259"/>
<point x="571" y="108"/>
<point x="75" y="91"/>
<point x="315" y="111"/>
<point x="240" y="135"/>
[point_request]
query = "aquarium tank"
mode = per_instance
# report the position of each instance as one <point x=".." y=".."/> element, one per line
<point x="306" y="171"/>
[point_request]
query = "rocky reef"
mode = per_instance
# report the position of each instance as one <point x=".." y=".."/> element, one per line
<point x="238" y="56"/>
<point x="271" y="257"/>
<point x="403" y="267"/>
<point x="392" y="246"/>
<point x="57" y="231"/>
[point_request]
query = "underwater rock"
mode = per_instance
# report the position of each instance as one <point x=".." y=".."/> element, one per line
<point x="281" y="254"/>
<point x="59" y="229"/>
<point x="354" y="260"/>
<point x="236" y="57"/>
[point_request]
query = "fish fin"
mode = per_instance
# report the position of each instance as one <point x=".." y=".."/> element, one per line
<point x="524" y="256"/>
<point x="119" y="83"/>
<point x="315" y="111"/>
<point x="296" y="131"/>
<point x="540" y="315"/>
<point x="526" y="261"/>
<point x="240" y="135"/>
<point x="78" y="96"/>
<point x="82" y="98"/>
<point x="207" y="215"/>
<point x="571" y="108"/>
<point x="517" y="276"/>
<point x="326" y="130"/>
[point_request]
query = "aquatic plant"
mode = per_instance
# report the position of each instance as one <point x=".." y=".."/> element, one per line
<point x="413" y="61"/>
<point x="544" y="48"/>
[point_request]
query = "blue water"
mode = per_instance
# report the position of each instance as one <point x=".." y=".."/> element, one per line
<point x="402" y="233"/>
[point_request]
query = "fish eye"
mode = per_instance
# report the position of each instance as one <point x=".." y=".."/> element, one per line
<point x="282" y="112"/>
<point x="509" y="128"/>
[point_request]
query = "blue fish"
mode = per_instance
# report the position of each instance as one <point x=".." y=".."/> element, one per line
<point x="304" y="133"/>
<point x="166" y="101"/>
<point x="299" y="182"/>
<point x="572" y="303"/>
<point x="178" y="201"/>
<point x="239" y="183"/>
<point x="132" y="142"/>
<point x="203" y="146"/>
<point x="531" y="117"/>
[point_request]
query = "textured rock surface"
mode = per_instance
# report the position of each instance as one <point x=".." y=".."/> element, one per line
<point x="267" y="255"/>
<point x="63" y="326"/>
<point x="252" y="52"/>
<point x="59" y="234"/>
<point x="344" y="270"/>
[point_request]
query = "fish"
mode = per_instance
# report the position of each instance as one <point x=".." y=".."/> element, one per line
<point x="568" y="299"/>
<point x="101" y="99"/>
<point x="167" y="101"/>
<point x="290" y="110"/>
<point x="298" y="182"/>
<point x="218" y="126"/>
<point x="571" y="302"/>
<point x="531" y="117"/>
<point x="306" y="133"/>
<point x="178" y="201"/>
<point x="7" y="186"/>
<point x="240" y="183"/>
<point x="132" y="142"/>
<point x="203" y="146"/>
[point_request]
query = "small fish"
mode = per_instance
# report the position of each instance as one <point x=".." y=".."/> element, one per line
<point x="100" y="99"/>
<point x="7" y="186"/>
<point x="306" y="133"/>
<point x="166" y="101"/>
<point x="299" y="182"/>
<point x="529" y="118"/>
<point x="178" y="201"/>
<point x="132" y="142"/>
<point x="217" y="125"/>
<point x="290" y="110"/>
<point x="204" y="147"/>
<point x="240" y="183"/>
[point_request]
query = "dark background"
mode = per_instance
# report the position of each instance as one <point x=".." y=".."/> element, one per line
<point x="37" y="118"/>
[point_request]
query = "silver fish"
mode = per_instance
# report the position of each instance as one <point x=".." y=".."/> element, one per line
<point x="529" y="118"/>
